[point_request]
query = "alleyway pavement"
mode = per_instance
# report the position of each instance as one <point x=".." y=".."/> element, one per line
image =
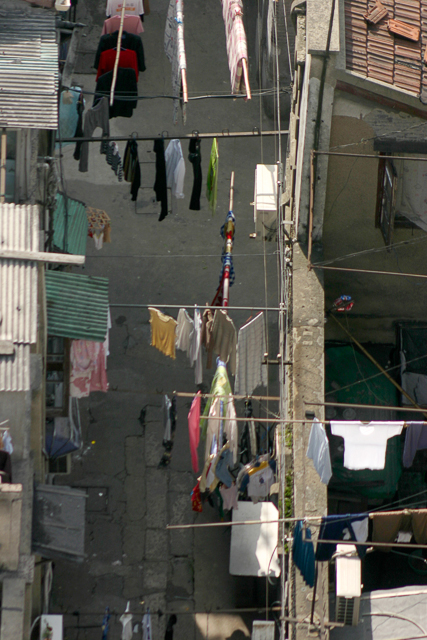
<point x="130" y="554"/>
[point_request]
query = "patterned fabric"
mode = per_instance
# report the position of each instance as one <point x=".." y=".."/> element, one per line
<point x="87" y="368"/>
<point x="232" y="12"/>
<point x="250" y="373"/>
<point x="196" y="503"/>
<point x="175" y="51"/>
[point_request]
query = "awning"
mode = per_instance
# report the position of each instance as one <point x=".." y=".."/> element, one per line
<point x="253" y="547"/>
<point x="77" y="306"/>
<point x="59" y="522"/>
<point x="77" y="226"/>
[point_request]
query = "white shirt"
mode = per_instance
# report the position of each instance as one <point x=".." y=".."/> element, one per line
<point x="184" y="331"/>
<point x="175" y="168"/>
<point x="365" y="445"/>
<point x="132" y="7"/>
<point x="250" y="372"/>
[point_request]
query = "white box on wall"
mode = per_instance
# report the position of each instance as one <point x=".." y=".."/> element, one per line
<point x="51" y="627"/>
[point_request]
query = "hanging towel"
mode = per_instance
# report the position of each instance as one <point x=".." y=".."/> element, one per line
<point x="131" y="24"/>
<point x="160" y="184"/>
<point x="250" y="372"/>
<point x="365" y="445"/>
<point x="212" y="184"/>
<point x="132" y="7"/>
<point x="194" y="430"/>
<point x="126" y="620"/>
<point x="162" y="332"/>
<point x="386" y="525"/>
<point x="303" y="553"/>
<point x="129" y="41"/>
<point x="318" y="451"/>
<point x="232" y="12"/>
<point x="87" y="368"/>
<point x="146" y="626"/>
<point x="175" y="169"/>
<point x="195" y="158"/>
<point x="98" y="116"/>
<point x="224" y="339"/>
<point x="127" y="59"/>
<point x="175" y="52"/>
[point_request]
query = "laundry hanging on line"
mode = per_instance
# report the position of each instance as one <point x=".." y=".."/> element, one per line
<point x="131" y="24"/>
<point x="131" y="167"/>
<point x="97" y="116"/>
<point x="318" y="451"/>
<point x="212" y="181"/>
<point x="175" y="170"/>
<point x="365" y="444"/>
<point x="132" y="7"/>
<point x="188" y="338"/>
<point x="195" y="157"/>
<point x="129" y="41"/>
<point x="88" y="368"/>
<point x="237" y="52"/>
<point x="127" y="60"/>
<point x="251" y="347"/>
<point x="160" y="184"/>
<point x="175" y="52"/>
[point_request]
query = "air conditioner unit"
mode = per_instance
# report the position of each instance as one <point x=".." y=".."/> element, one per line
<point x="265" y="201"/>
<point x="348" y="573"/>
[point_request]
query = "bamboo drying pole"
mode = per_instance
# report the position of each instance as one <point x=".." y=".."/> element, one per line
<point x="116" y="63"/>
<point x="229" y="234"/>
<point x="246" y="78"/>
<point x="184" y="85"/>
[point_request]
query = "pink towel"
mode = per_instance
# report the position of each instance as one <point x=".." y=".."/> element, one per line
<point x="87" y="368"/>
<point x="131" y="24"/>
<point x="194" y="430"/>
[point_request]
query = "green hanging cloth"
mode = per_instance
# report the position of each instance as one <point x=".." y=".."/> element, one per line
<point x="212" y="185"/>
<point x="220" y="387"/>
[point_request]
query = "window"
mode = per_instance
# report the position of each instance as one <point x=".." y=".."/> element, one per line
<point x="57" y="376"/>
<point x="402" y="196"/>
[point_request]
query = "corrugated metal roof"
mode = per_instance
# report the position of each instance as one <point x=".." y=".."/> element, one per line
<point x="77" y="306"/>
<point x="77" y="225"/>
<point x="375" y="53"/>
<point x="28" y="70"/>
<point x="19" y="229"/>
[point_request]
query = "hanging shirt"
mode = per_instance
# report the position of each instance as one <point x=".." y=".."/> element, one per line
<point x="318" y="451"/>
<point x="129" y="41"/>
<point x="232" y="12"/>
<point x="415" y="439"/>
<point x="127" y="59"/>
<point x="160" y="184"/>
<point x="126" y="87"/>
<point x="365" y="445"/>
<point x="195" y="158"/>
<point x="175" y="168"/>
<point x="195" y="353"/>
<point x="207" y="323"/>
<point x="194" y="430"/>
<point x="250" y="372"/>
<point x="131" y="168"/>
<point x="221" y="470"/>
<point x="184" y="331"/>
<point x="146" y="626"/>
<point x="260" y="482"/>
<point x="162" y="332"/>
<point x="131" y="24"/>
<point x="175" y="51"/>
<point x="229" y="497"/>
<point x="303" y="553"/>
<point x="212" y="183"/>
<point x="132" y="7"/>
<point x="98" y="116"/>
<point x="224" y="338"/>
<point x="220" y="387"/>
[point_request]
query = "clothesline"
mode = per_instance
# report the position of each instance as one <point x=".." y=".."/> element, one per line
<point x="363" y="406"/>
<point x="185" y="394"/>
<point x="192" y="306"/>
<point x="188" y="136"/>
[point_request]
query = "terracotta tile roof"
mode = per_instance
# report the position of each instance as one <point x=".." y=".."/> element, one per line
<point x="376" y="13"/>
<point x="374" y="52"/>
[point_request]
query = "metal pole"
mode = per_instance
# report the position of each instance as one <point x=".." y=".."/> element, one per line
<point x="371" y="271"/>
<point x="255" y="133"/>
<point x="369" y="155"/>
<point x="361" y="406"/>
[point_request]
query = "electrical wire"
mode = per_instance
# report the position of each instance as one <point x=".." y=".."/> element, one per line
<point x="369" y="251"/>
<point x="233" y="96"/>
